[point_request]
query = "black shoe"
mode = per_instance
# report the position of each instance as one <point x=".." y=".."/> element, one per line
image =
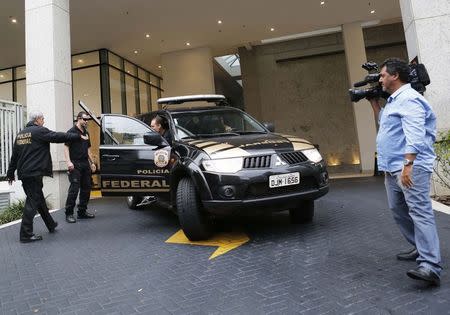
<point x="34" y="238"/>
<point x="424" y="274"/>
<point x="410" y="255"/>
<point x="85" y="215"/>
<point x="52" y="229"/>
<point x="70" y="218"/>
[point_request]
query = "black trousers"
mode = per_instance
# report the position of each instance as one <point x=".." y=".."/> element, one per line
<point x="80" y="182"/>
<point x="35" y="202"/>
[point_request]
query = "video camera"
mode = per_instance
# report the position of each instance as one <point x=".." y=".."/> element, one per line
<point x="418" y="77"/>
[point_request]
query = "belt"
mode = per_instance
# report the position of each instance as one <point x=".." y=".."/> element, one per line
<point x="391" y="173"/>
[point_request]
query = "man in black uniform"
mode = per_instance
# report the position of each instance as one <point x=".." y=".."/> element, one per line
<point x="80" y="165"/>
<point x="31" y="157"/>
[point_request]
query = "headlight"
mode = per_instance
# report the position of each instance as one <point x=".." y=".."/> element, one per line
<point x="231" y="165"/>
<point x="313" y="155"/>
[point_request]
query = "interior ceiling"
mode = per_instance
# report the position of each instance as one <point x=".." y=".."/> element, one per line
<point x="121" y="25"/>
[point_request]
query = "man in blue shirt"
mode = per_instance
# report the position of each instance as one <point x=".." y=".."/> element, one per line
<point x="407" y="131"/>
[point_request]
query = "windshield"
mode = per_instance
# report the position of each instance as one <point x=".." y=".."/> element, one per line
<point x="216" y="123"/>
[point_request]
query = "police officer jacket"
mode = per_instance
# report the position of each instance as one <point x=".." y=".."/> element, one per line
<point x="31" y="152"/>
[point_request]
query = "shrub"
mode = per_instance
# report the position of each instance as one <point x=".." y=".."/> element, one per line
<point x="12" y="212"/>
<point x="442" y="164"/>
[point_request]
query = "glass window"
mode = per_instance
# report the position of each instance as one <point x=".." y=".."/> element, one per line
<point x="124" y="130"/>
<point x="115" y="91"/>
<point x="21" y="72"/>
<point x="114" y="60"/>
<point x="86" y="87"/>
<point x="130" y="91"/>
<point x="144" y="100"/>
<point x="154" y="94"/>
<point x="143" y="75"/>
<point x="6" y="91"/>
<point x="130" y="69"/>
<point x="21" y="86"/>
<point x="84" y="60"/>
<point x="154" y="80"/>
<point x="5" y="75"/>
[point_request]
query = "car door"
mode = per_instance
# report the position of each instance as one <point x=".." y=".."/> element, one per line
<point x="128" y="166"/>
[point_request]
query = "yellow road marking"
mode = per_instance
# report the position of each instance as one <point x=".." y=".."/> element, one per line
<point x="225" y="241"/>
<point x="96" y="194"/>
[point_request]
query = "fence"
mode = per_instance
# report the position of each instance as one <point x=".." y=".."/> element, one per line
<point x="12" y="120"/>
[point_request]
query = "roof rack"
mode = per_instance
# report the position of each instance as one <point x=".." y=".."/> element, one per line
<point x="210" y="98"/>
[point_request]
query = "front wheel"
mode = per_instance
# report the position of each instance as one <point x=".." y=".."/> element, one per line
<point x="133" y="201"/>
<point x="304" y="213"/>
<point x="194" y="221"/>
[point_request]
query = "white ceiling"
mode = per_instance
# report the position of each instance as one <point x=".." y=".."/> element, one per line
<point x="121" y="25"/>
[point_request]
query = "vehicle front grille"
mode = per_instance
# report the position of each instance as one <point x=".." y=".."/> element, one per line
<point x="294" y="157"/>
<point x="262" y="161"/>
<point x="259" y="190"/>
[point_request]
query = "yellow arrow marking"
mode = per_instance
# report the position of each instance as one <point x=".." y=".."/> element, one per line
<point x="225" y="241"/>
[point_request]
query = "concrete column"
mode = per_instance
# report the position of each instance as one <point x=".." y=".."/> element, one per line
<point x="355" y="54"/>
<point x="49" y="80"/>
<point x="427" y="33"/>
<point x="188" y="72"/>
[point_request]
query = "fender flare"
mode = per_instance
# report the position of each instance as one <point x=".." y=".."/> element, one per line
<point x="186" y="167"/>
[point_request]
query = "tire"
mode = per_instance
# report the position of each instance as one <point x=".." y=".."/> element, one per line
<point x="133" y="201"/>
<point x="195" y="223"/>
<point x="304" y="213"/>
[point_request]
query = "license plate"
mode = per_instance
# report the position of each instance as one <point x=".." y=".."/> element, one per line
<point x="284" y="180"/>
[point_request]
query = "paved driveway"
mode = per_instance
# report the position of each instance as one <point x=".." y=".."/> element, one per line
<point x="119" y="263"/>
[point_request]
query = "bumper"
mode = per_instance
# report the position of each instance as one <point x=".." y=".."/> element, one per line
<point x="264" y="204"/>
<point x="248" y="191"/>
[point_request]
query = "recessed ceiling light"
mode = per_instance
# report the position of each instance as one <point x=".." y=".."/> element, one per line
<point x="322" y="2"/>
<point x="272" y="29"/>
<point x="147" y="35"/>
<point x="135" y="51"/>
<point x="372" y="12"/>
<point x="80" y="60"/>
<point x="159" y="67"/>
<point x="219" y="22"/>
<point x="2" y="76"/>
<point x="13" y="20"/>
<point x="188" y="44"/>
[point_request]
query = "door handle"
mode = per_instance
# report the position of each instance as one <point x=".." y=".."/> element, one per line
<point x="111" y="157"/>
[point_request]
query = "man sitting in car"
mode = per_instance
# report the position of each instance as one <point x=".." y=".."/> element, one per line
<point x="161" y="125"/>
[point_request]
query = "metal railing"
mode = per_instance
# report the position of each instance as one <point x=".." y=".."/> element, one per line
<point x="12" y="120"/>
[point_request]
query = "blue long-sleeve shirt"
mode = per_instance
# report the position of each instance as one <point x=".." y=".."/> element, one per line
<point x="407" y="125"/>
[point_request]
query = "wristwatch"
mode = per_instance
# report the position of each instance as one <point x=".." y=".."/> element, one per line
<point x="407" y="162"/>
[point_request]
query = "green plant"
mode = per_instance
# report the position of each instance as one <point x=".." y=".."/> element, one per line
<point x="12" y="212"/>
<point x="442" y="165"/>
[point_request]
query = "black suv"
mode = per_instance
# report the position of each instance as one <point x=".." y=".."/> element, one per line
<point x="217" y="160"/>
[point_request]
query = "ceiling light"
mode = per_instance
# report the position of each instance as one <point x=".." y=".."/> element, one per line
<point x="322" y="2"/>
<point x="13" y="20"/>
<point x="135" y="51"/>
<point x="80" y="60"/>
<point x="2" y="76"/>
<point x="272" y="29"/>
<point x="372" y="12"/>
<point x="147" y="35"/>
<point x="159" y="67"/>
<point x="188" y="44"/>
<point x="219" y="22"/>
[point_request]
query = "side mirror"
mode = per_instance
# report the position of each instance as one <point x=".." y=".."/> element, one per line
<point x="155" y="139"/>
<point x="270" y="126"/>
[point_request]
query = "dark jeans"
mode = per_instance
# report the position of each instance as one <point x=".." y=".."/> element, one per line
<point x="80" y="181"/>
<point x="35" y="202"/>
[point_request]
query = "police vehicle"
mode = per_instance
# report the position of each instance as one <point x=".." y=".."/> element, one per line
<point x="217" y="161"/>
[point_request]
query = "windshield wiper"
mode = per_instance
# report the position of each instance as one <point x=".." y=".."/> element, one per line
<point x="251" y="132"/>
<point x="212" y="135"/>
